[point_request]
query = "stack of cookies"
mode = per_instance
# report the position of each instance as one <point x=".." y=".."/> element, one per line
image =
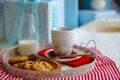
<point x="33" y="62"/>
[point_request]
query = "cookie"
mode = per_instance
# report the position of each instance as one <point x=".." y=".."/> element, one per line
<point x="19" y="65"/>
<point x="41" y="66"/>
<point x="18" y="59"/>
<point x="28" y="64"/>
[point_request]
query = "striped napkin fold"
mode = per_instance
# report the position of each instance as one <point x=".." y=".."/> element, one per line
<point x="104" y="69"/>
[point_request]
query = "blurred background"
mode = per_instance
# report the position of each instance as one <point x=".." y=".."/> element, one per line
<point x="53" y="13"/>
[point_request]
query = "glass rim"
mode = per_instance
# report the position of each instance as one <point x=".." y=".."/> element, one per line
<point x="27" y="15"/>
<point x="62" y="29"/>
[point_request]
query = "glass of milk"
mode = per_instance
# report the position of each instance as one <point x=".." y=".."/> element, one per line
<point x="28" y="35"/>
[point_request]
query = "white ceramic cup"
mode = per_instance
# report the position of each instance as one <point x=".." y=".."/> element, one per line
<point x="62" y="40"/>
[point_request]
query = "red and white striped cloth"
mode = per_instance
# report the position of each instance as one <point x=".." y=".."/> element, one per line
<point x="105" y="69"/>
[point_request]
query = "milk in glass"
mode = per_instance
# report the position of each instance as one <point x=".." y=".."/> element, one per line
<point x="28" y="47"/>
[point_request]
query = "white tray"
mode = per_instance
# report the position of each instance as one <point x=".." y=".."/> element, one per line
<point x="66" y="71"/>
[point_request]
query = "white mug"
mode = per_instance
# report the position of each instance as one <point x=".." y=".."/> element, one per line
<point x="62" y="40"/>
